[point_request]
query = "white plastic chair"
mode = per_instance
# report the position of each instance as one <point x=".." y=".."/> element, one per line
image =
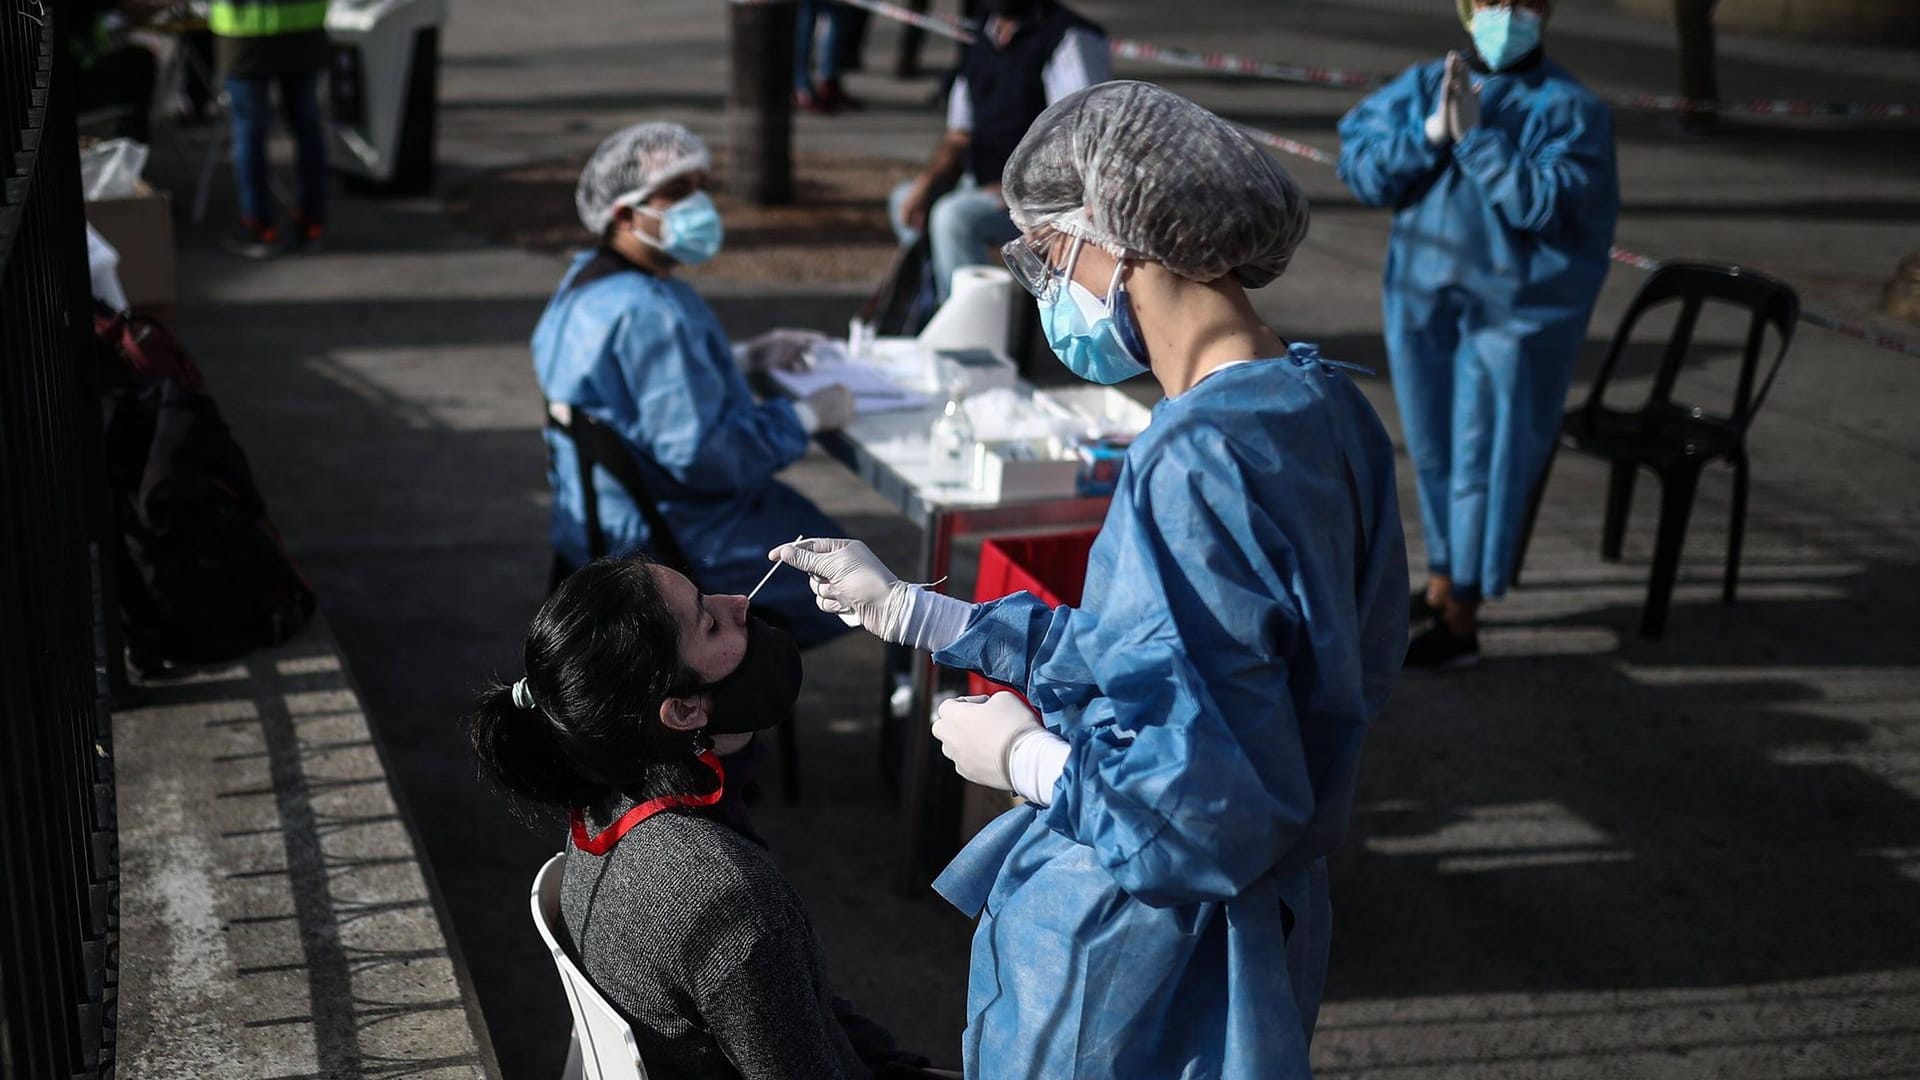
<point x="603" y="1044"/>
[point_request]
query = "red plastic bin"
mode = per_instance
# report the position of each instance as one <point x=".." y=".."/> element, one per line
<point x="1052" y="567"/>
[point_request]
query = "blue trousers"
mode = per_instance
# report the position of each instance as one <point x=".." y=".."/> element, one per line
<point x="300" y="102"/>
<point x="964" y="228"/>
<point x="807" y="45"/>
<point x="1481" y="396"/>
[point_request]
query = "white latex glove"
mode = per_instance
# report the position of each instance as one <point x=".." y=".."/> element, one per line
<point x="978" y="733"/>
<point x="781" y="350"/>
<point x="1436" y="126"/>
<point x="850" y="581"/>
<point x="1463" y="104"/>
<point x="832" y="407"/>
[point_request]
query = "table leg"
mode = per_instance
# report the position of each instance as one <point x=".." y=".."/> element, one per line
<point x="921" y="757"/>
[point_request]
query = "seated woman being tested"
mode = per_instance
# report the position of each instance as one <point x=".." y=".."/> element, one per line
<point x="637" y="688"/>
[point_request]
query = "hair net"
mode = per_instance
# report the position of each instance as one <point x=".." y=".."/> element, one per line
<point x="632" y="164"/>
<point x="1466" y="11"/>
<point x="1145" y="173"/>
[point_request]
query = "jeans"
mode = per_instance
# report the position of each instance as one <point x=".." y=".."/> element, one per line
<point x="961" y="228"/>
<point x="804" y="69"/>
<point x="300" y="102"/>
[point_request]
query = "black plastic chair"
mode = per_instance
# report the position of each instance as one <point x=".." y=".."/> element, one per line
<point x="1674" y="441"/>
<point x="596" y="444"/>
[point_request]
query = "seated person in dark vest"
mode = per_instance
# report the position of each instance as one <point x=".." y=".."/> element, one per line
<point x="637" y="685"/>
<point x="1027" y="55"/>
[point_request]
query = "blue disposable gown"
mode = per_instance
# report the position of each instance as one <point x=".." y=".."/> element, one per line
<point x="1167" y="916"/>
<point x="1500" y="245"/>
<point x="647" y="357"/>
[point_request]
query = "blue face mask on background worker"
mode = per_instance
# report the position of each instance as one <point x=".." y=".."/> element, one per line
<point x="690" y="230"/>
<point x="1503" y="35"/>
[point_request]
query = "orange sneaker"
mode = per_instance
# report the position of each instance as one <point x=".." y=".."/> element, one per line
<point x="308" y="235"/>
<point x="252" y="239"/>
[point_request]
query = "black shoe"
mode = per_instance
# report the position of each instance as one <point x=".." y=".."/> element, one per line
<point x="1438" y="649"/>
<point x="1419" y="611"/>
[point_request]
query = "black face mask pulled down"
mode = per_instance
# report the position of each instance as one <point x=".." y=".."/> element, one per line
<point x="761" y="691"/>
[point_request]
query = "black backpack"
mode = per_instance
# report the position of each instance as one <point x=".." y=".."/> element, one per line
<point x="203" y="575"/>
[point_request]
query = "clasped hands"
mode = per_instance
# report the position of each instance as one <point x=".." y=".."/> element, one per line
<point x="1456" y="108"/>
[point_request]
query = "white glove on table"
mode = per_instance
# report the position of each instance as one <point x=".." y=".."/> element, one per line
<point x="998" y="742"/>
<point x="829" y="408"/>
<point x="778" y="350"/>
<point x="850" y="581"/>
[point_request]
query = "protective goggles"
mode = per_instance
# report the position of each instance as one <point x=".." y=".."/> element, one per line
<point x="1026" y="259"/>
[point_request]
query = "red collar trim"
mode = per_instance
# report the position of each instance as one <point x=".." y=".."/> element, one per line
<point x="600" y="845"/>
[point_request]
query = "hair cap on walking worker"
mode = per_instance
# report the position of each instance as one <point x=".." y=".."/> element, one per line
<point x="1466" y="11"/>
<point x="1145" y="173"/>
<point x="631" y="164"/>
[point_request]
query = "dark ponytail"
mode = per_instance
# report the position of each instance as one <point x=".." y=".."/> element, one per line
<point x="522" y="752"/>
<point x="600" y="657"/>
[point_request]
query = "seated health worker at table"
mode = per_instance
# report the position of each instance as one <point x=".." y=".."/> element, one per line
<point x="1159" y="908"/>
<point x="631" y="345"/>
<point x="636" y="685"/>
<point x="1500" y="171"/>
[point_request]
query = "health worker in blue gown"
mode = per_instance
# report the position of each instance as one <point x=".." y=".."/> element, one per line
<point x="1159" y="907"/>
<point x="629" y="344"/>
<point x="1499" y="167"/>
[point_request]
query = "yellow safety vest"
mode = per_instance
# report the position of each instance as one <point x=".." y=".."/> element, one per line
<point x="266" y="18"/>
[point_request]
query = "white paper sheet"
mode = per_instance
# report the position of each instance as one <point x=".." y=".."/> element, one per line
<point x="873" y="392"/>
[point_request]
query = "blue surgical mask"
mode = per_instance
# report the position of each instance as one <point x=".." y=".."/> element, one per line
<point x="690" y="229"/>
<point x="1097" y="340"/>
<point x="1504" y="35"/>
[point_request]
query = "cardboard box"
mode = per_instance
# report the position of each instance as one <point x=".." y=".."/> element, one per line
<point x="140" y="228"/>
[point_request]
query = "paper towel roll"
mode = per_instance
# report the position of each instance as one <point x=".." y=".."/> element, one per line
<point x="976" y="313"/>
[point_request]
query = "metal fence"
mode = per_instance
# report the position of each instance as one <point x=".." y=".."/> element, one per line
<point x="58" y="890"/>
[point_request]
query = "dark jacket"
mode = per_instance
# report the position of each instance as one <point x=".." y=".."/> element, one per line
<point x="1005" y="85"/>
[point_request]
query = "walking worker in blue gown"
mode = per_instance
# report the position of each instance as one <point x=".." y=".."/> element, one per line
<point x="630" y="345"/>
<point x="1159" y="906"/>
<point x="1499" y="168"/>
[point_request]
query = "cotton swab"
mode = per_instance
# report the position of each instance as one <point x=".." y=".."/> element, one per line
<point x="770" y="572"/>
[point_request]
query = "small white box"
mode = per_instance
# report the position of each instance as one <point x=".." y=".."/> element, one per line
<point x="1025" y="468"/>
<point x="985" y="368"/>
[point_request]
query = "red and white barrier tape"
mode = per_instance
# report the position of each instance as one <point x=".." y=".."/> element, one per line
<point x="1764" y="107"/>
<point x="1360" y="80"/>
<point x="1251" y="67"/>
<point x="945" y="26"/>
<point x="1290" y="146"/>
<point x="1860" y="333"/>
<point x="1634" y="259"/>
<point x="1336" y="77"/>
<point x="1243" y="65"/>
<point x="1811" y="318"/>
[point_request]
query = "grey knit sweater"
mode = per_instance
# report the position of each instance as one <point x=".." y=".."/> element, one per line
<point x="689" y="929"/>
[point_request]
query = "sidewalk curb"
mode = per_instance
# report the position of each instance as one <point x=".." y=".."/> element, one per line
<point x="273" y="913"/>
